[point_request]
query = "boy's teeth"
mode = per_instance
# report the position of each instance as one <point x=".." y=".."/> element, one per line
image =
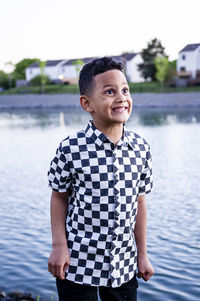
<point x="119" y="109"/>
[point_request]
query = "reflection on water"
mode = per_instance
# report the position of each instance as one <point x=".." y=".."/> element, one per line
<point x="169" y="117"/>
<point x="150" y="117"/>
<point x="28" y="142"/>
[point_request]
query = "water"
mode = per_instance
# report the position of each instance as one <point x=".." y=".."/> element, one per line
<point x="28" y="142"/>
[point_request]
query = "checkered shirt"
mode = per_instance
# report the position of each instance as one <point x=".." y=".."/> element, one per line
<point x="103" y="181"/>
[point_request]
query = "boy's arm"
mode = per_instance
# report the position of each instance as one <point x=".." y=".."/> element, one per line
<point x="145" y="269"/>
<point x="59" y="258"/>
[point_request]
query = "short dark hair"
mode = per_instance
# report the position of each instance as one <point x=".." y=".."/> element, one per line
<point x="94" y="67"/>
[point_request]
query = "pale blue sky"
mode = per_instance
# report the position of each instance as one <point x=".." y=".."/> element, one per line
<point x="61" y="29"/>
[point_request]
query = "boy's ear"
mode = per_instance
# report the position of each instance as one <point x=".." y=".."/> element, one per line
<point x="85" y="102"/>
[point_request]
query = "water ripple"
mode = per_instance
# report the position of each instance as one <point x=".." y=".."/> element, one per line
<point x="28" y="142"/>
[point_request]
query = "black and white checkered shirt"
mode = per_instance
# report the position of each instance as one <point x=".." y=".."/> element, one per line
<point x="103" y="181"/>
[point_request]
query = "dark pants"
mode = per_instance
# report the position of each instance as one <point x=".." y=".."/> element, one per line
<point x="70" y="291"/>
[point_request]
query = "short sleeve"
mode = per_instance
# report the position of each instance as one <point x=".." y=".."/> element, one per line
<point x="146" y="178"/>
<point x="59" y="172"/>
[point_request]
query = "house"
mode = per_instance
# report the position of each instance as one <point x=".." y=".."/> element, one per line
<point x="71" y="69"/>
<point x="188" y="62"/>
<point x="131" y="62"/>
<point x="53" y="69"/>
<point x="67" y="71"/>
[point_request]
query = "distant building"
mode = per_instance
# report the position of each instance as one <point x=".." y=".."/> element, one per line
<point x="188" y="62"/>
<point x="71" y="69"/>
<point x="52" y="69"/>
<point x="67" y="71"/>
<point x="131" y="62"/>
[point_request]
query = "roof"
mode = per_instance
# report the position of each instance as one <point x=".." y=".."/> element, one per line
<point x="127" y="56"/>
<point x="71" y="62"/>
<point x="49" y="63"/>
<point x="190" y="47"/>
<point x="53" y="63"/>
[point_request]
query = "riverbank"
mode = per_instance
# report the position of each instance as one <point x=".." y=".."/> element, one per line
<point x="17" y="296"/>
<point x="24" y="296"/>
<point x="45" y="101"/>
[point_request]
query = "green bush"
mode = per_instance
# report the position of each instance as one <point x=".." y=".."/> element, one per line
<point x="152" y="87"/>
<point x="144" y="87"/>
<point x="39" y="79"/>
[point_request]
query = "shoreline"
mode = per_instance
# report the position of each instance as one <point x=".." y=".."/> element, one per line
<point x="58" y="101"/>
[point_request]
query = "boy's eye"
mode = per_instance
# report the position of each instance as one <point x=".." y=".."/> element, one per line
<point x="125" y="90"/>
<point x="110" y="91"/>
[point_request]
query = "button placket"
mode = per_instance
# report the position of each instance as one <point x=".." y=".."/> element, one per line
<point x="116" y="212"/>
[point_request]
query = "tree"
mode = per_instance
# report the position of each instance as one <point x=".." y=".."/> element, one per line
<point x="4" y="80"/>
<point x="20" y="67"/>
<point x="162" y="66"/>
<point x="10" y="66"/>
<point x="36" y="81"/>
<point x="147" y="68"/>
<point x="78" y="64"/>
<point x="43" y="77"/>
<point x="171" y="73"/>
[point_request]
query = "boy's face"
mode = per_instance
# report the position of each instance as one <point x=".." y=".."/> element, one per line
<point x="110" y="102"/>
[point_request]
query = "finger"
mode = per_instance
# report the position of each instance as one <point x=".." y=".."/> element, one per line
<point x="49" y="267"/>
<point x="54" y="271"/>
<point x="139" y="275"/>
<point x="60" y="274"/>
<point x="146" y="276"/>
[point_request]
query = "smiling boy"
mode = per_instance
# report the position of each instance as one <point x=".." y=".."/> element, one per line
<point x="99" y="178"/>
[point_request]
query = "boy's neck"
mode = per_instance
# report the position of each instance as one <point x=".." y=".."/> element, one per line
<point x="113" y="132"/>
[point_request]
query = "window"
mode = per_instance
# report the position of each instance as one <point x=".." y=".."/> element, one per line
<point x="183" y="57"/>
<point x="182" y="68"/>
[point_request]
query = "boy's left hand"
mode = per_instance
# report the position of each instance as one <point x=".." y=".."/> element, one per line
<point x="145" y="269"/>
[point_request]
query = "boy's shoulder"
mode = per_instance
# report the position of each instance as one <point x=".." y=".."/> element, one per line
<point x="77" y="138"/>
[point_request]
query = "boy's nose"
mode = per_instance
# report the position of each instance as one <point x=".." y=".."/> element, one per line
<point x="121" y="98"/>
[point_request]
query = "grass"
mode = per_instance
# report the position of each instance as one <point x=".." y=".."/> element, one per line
<point x="154" y="87"/>
<point x="48" y="89"/>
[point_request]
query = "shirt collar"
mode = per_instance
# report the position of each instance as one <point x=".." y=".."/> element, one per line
<point x="99" y="138"/>
<point x="128" y="138"/>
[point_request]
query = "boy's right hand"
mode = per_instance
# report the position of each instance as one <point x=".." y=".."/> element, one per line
<point x="58" y="261"/>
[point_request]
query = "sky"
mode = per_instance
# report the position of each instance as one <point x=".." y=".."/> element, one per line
<point x="65" y="29"/>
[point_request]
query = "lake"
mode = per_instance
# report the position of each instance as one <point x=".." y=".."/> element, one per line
<point x="28" y="143"/>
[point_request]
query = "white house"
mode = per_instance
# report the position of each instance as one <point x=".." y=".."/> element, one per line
<point x="53" y="69"/>
<point x="132" y="61"/>
<point x="56" y="70"/>
<point x="71" y="69"/>
<point x="67" y="71"/>
<point x="188" y="62"/>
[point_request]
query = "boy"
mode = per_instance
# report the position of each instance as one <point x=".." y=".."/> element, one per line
<point x="99" y="178"/>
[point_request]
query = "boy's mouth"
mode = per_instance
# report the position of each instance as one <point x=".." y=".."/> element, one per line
<point x="120" y="109"/>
